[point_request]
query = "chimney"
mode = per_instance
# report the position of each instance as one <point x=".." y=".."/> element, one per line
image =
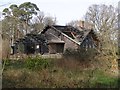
<point x="82" y="24"/>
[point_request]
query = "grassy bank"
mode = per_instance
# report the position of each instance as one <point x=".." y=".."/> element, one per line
<point x="51" y="73"/>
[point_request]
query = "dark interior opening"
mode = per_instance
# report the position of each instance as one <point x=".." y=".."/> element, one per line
<point x="30" y="48"/>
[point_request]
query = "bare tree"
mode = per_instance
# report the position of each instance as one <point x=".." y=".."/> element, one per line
<point x="40" y="21"/>
<point x="40" y="17"/>
<point x="104" y="21"/>
<point x="73" y="23"/>
<point x="48" y="20"/>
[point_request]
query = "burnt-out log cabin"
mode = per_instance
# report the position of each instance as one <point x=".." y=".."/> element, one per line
<point x="56" y="39"/>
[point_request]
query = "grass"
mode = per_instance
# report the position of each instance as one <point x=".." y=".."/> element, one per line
<point x="100" y="80"/>
<point x="54" y="73"/>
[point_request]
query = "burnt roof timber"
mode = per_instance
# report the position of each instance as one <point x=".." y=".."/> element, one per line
<point x="85" y="33"/>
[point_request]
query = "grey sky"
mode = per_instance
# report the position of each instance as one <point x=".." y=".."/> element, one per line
<point x="63" y="10"/>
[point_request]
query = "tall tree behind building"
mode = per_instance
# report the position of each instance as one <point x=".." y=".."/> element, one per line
<point x="16" y="21"/>
<point x="22" y="13"/>
<point x="41" y="20"/>
<point x="104" y="21"/>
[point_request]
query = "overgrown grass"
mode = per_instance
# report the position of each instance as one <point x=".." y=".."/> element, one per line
<point x="37" y="63"/>
<point x="100" y="80"/>
<point x="39" y="72"/>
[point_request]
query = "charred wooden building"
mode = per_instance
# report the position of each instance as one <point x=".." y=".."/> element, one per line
<point x="56" y="39"/>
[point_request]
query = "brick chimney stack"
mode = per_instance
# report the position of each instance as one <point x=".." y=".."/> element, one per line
<point x="85" y="24"/>
<point x="82" y="24"/>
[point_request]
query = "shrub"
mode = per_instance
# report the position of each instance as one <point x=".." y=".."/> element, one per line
<point x="80" y="54"/>
<point x="37" y="63"/>
<point x="7" y="62"/>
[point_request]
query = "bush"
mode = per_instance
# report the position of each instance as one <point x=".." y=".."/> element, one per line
<point x="7" y="62"/>
<point x="81" y="54"/>
<point x="37" y="63"/>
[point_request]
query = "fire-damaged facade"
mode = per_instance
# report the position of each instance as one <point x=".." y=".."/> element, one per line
<point x="56" y="39"/>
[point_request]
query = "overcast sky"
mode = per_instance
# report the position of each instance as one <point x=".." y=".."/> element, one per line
<point x="63" y="10"/>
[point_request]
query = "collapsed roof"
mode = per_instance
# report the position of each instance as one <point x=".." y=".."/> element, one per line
<point x="74" y="34"/>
